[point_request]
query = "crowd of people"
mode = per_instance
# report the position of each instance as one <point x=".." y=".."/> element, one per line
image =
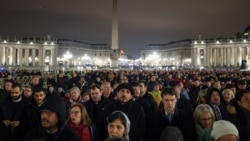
<point x="181" y="105"/>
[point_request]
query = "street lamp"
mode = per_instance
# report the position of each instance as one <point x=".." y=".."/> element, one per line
<point x="153" y="59"/>
<point x="67" y="56"/>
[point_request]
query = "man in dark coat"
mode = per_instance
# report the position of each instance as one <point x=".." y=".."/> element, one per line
<point x="194" y="91"/>
<point x="96" y="102"/>
<point x="11" y="113"/>
<point x="241" y="118"/>
<point x="31" y="116"/>
<point x="133" y="110"/>
<point x="54" y="128"/>
<point x="5" y="92"/>
<point x="170" y="115"/>
<point x="145" y="105"/>
<point x="182" y="102"/>
<point x="146" y="96"/>
<point x="51" y="81"/>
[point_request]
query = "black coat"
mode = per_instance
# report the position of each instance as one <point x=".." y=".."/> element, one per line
<point x="240" y="121"/>
<point x="12" y="111"/>
<point x="149" y="98"/>
<point x="148" y="113"/>
<point x="179" y="120"/>
<point x="65" y="134"/>
<point x="31" y="117"/>
<point x="92" y="108"/>
<point x="51" y="82"/>
<point x="185" y="105"/>
<point x="193" y="94"/>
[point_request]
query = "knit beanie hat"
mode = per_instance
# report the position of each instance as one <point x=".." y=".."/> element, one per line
<point x="125" y="86"/>
<point x="222" y="128"/>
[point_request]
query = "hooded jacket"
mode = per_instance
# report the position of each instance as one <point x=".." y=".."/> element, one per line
<point x="54" y="103"/>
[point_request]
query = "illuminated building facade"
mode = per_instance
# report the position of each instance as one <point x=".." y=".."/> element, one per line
<point x="27" y="52"/>
<point x="79" y="54"/>
<point x="222" y="52"/>
<point x="48" y="54"/>
<point x="200" y="52"/>
<point x="175" y="53"/>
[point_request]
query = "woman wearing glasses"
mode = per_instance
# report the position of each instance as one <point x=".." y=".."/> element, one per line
<point x="204" y="119"/>
<point x="80" y="122"/>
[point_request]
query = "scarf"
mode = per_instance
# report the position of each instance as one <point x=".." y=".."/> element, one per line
<point x="82" y="131"/>
<point x="204" y="134"/>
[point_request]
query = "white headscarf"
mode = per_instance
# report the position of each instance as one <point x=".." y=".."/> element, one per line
<point x="127" y="122"/>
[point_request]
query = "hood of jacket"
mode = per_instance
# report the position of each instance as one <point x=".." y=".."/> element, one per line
<point x="55" y="103"/>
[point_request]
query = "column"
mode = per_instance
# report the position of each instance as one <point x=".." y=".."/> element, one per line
<point x="198" y="57"/>
<point x="26" y="62"/>
<point x="228" y="57"/>
<point x="7" y="57"/>
<point x="195" y="57"/>
<point x="247" y="52"/>
<point x="192" y="55"/>
<point x="234" y="55"/>
<point x="51" y="58"/>
<point x="19" y="56"/>
<point x="222" y="56"/>
<point x="211" y="57"/>
<point x="10" y="55"/>
<point x="43" y="56"/>
<point x="215" y="56"/>
<point x="14" y="56"/>
<point x="225" y="56"/>
<point x="3" y="55"/>
<point x="240" y="56"/>
<point x="33" y="56"/>
<point x="218" y="56"/>
<point x="205" y="56"/>
<point x="40" y="54"/>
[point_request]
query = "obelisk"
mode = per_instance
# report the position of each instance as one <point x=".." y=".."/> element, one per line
<point x="114" y="42"/>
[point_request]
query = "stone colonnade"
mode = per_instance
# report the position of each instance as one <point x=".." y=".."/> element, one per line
<point x="220" y="56"/>
<point x="23" y="55"/>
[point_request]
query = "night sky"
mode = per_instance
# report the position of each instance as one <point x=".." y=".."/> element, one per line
<point x="141" y="22"/>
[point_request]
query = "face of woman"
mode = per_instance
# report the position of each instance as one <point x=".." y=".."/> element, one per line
<point x="206" y="120"/>
<point x="75" y="115"/>
<point x="227" y="97"/>
<point x="116" y="129"/>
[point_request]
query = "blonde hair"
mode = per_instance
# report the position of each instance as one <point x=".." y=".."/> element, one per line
<point x="228" y="91"/>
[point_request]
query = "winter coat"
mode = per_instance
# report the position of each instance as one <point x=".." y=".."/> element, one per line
<point x="64" y="133"/>
<point x="179" y="120"/>
<point x="12" y="111"/>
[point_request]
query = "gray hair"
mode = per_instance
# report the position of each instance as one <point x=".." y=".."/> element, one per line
<point x="200" y="110"/>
